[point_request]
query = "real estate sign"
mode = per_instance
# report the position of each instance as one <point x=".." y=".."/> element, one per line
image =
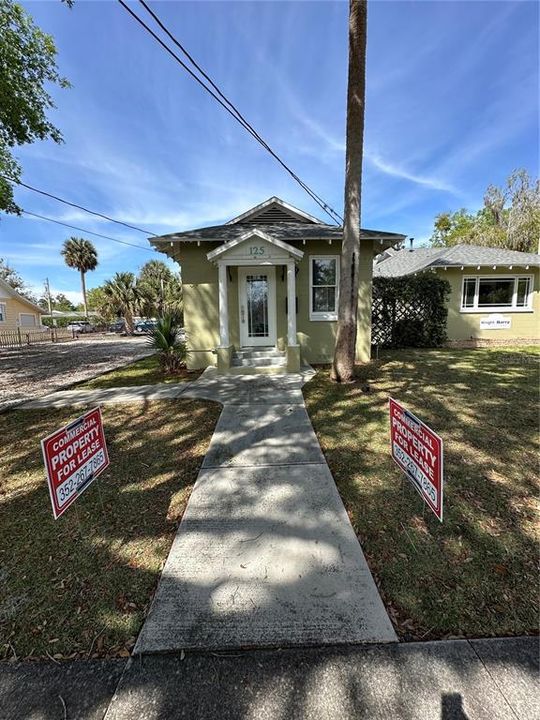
<point x="418" y="451"/>
<point x="74" y="456"/>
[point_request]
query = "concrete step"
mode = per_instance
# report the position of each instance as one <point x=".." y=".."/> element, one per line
<point x="272" y="361"/>
<point x="259" y="352"/>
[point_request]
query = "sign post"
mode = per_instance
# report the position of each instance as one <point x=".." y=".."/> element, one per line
<point x="74" y="456"/>
<point x="418" y="451"/>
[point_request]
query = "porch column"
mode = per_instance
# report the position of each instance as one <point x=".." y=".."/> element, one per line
<point x="291" y="303"/>
<point x="223" y="307"/>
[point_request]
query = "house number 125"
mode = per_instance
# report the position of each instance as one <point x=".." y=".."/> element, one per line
<point x="256" y="250"/>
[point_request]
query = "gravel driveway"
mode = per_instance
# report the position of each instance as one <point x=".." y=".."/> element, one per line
<point x="33" y="371"/>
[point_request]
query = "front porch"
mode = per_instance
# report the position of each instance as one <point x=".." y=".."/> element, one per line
<point x="257" y="323"/>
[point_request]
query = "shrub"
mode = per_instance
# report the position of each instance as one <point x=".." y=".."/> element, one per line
<point x="164" y="338"/>
<point x="410" y="311"/>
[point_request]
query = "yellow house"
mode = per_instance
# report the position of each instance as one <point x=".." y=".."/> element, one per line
<point x="16" y="311"/>
<point x="261" y="291"/>
<point x="494" y="292"/>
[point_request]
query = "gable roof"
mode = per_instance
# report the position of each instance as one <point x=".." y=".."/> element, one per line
<point x="408" y="262"/>
<point x="271" y="211"/>
<point x="255" y="233"/>
<point x="6" y="291"/>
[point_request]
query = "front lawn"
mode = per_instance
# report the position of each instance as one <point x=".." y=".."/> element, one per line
<point x="475" y="574"/>
<point x="80" y="586"/>
<point x="142" y="372"/>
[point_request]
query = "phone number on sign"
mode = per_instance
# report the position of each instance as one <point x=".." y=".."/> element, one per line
<point x="70" y="486"/>
<point x="416" y="473"/>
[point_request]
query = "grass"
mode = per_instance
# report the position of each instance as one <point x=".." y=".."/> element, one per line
<point x="142" y="372"/>
<point x="476" y="573"/>
<point x="80" y="586"/>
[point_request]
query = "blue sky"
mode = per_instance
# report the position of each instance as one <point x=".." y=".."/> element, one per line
<point x="452" y="105"/>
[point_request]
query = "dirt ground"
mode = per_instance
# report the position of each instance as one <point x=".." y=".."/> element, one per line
<point x="36" y="370"/>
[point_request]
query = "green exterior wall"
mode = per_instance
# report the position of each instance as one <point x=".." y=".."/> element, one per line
<point x="466" y="325"/>
<point x="315" y="337"/>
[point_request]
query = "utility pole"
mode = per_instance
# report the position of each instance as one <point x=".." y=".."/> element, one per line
<point x="49" y="300"/>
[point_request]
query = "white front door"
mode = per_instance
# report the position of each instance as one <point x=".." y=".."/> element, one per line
<point x="257" y="305"/>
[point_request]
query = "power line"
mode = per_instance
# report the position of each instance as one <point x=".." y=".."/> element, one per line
<point x="224" y="102"/>
<point x="84" y="230"/>
<point x="79" y="207"/>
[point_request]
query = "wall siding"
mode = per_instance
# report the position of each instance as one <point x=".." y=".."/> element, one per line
<point x="316" y="338"/>
<point x="465" y="326"/>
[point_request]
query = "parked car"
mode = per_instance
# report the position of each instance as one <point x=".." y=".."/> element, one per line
<point x="118" y="326"/>
<point x="144" y="326"/>
<point x="81" y="326"/>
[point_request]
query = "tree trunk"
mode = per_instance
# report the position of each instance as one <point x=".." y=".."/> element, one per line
<point x="83" y="287"/>
<point x="345" y="349"/>
<point x="128" y="319"/>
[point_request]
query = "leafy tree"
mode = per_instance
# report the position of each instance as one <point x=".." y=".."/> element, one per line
<point x="345" y="349"/>
<point x="160" y="289"/>
<point x="58" y="302"/>
<point x="11" y="276"/>
<point x="510" y="218"/>
<point x="123" y="296"/>
<point x="27" y="66"/>
<point x="82" y="255"/>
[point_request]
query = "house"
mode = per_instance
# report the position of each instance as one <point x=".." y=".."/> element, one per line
<point x="261" y="290"/>
<point x="494" y="292"/>
<point x="16" y="311"/>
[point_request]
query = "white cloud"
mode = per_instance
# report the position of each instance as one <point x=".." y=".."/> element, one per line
<point x="389" y="168"/>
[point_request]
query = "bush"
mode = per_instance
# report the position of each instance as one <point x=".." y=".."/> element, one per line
<point x="410" y="311"/>
<point x="164" y="338"/>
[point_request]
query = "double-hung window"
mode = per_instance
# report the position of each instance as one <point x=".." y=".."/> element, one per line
<point x="2" y="312"/>
<point x="323" y="287"/>
<point x="496" y="292"/>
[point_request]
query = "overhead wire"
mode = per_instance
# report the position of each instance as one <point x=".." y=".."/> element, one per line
<point x="225" y="103"/>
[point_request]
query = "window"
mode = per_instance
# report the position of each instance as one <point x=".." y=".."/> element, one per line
<point x="2" y="312"/>
<point x="323" y="281"/>
<point x="496" y="293"/>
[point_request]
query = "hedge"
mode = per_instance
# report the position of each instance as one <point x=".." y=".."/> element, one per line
<point x="409" y="311"/>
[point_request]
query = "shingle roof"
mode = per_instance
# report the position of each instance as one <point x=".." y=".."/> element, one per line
<point x="407" y="262"/>
<point x="286" y="231"/>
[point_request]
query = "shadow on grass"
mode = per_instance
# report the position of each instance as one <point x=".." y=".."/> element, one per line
<point x="474" y="574"/>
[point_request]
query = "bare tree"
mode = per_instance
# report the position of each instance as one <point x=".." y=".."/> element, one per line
<point x="345" y="349"/>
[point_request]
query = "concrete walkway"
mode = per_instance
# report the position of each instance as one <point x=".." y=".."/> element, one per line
<point x="83" y="396"/>
<point x="265" y="554"/>
<point x="495" y="679"/>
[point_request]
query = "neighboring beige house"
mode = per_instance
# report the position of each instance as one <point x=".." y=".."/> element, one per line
<point x="16" y="311"/>
<point x="494" y="292"/>
<point x="261" y="290"/>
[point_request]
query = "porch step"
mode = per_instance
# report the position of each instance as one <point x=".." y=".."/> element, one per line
<point x="262" y="357"/>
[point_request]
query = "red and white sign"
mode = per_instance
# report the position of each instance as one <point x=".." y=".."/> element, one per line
<point x="418" y="451"/>
<point x="74" y="456"/>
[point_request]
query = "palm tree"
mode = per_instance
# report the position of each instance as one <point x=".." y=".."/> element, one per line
<point x="161" y="290"/>
<point x="345" y="350"/>
<point x="82" y="255"/>
<point x="165" y="339"/>
<point x="124" y="296"/>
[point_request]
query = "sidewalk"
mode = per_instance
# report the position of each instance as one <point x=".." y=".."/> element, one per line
<point x="265" y="555"/>
<point x="451" y="680"/>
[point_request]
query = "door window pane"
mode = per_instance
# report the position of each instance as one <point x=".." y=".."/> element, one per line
<point x="469" y="287"/>
<point x="495" y="292"/>
<point x="257" y="305"/>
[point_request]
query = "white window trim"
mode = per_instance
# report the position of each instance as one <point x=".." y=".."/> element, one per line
<point x="497" y="308"/>
<point x="3" y="312"/>
<point x="322" y="316"/>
